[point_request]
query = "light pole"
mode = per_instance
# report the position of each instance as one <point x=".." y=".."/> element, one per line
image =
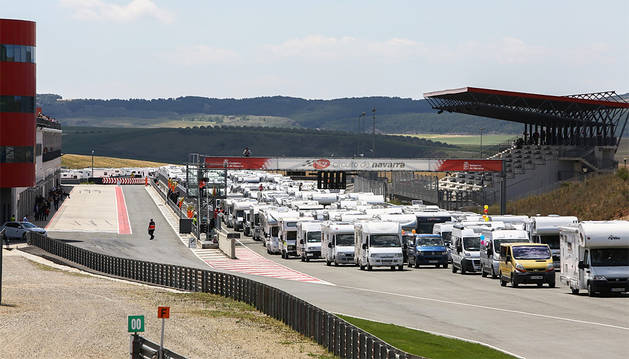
<point x="373" y="132"/>
<point x="481" y="143"/>
<point x="92" y="163"/>
<point x="359" y="132"/>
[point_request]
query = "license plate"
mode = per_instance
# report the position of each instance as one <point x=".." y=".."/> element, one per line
<point x="433" y="261"/>
<point x="618" y="289"/>
<point x="537" y="277"/>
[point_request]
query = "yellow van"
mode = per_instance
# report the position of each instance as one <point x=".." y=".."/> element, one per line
<point x="526" y="263"/>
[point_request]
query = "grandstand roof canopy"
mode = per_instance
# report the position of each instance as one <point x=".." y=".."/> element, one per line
<point x="603" y="110"/>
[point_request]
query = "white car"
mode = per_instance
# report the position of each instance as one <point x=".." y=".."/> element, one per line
<point x="17" y="230"/>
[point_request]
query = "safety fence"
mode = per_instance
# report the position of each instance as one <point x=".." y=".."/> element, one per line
<point x="142" y="348"/>
<point x="335" y="334"/>
<point x="124" y="180"/>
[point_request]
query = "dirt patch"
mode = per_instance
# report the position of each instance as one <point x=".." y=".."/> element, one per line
<point x="55" y="314"/>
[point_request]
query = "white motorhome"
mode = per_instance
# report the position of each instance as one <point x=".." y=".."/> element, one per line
<point x="491" y="238"/>
<point x="308" y="240"/>
<point x="378" y="244"/>
<point x="545" y="229"/>
<point x="427" y="219"/>
<point x="595" y="257"/>
<point x="237" y="217"/>
<point x="337" y="243"/>
<point x="520" y="222"/>
<point x="270" y="227"/>
<point x="287" y="223"/>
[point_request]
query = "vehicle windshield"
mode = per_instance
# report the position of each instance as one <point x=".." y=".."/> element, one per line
<point x="274" y="231"/>
<point x="28" y="225"/>
<point x="240" y="213"/>
<point x="429" y="241"/>
<point x="471" y="243"/>
<point x="497" y="242"/>
<point x="314" y="237"/>
<point x="425" y="225"/>
<point x="551" y="240"/>
<point x="530" y="252"/>
<point x="447" y="237"/>
<point x="345" y="239"/>
<point x="609" y="257"/>
<point x="384" y="240"/>
<point x="291" y="235"/>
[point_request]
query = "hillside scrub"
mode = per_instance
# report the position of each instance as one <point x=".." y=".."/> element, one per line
<point x="601" y="197"/>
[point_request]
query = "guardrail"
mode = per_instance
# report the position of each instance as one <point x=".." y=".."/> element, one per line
<point x="142" y="348"/>
<point x="336" y="335"/>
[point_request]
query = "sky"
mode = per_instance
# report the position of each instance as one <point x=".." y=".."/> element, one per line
<point x="324" y="49"/>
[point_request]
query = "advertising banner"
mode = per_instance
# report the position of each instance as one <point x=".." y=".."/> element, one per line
<point x="352" y="164"/>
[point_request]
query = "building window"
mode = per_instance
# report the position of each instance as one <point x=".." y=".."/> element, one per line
<point x="17" y="53"/>
<point x="23" y="104"/>
<point x="16" y="154"/>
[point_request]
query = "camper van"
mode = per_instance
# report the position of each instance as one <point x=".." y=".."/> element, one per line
<point x="378" y="244"/>
<point x="238" y="216"/>
<point x="490" y="247"/>
<point x="308" y="240"/>
<point x="427" y="219"/>
<point x="545" y="229"/>
<point x="445" y="231"/>
<point x="595" y="257"/>
<point x="337" y="243"/>
<point x="287" y="224"/>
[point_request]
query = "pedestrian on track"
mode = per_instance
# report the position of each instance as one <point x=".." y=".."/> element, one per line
<point x="151" y="229"/>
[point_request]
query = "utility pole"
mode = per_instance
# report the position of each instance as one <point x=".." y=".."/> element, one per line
<point x="358" y="135"/>
<point x="481" y="143"/>
<point x="92" y="163"/>
<point x="373" y="132"/>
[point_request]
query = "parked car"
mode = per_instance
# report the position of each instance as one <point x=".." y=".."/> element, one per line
<point x="18" y="230"/>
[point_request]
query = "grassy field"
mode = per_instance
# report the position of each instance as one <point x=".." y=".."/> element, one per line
<point x="83" y="161"/>
<point x="425" y="344"/>
<point x="601" y="197"/>
<point x="181" y="121"/>
<point x="452" y="139"/>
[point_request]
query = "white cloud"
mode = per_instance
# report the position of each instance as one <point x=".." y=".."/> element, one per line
<point x="202" y="54"/>
<point x="103" y="10"/>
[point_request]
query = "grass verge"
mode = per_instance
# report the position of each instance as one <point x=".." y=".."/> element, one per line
<point x="425" y="344"/>
<point x="84" y="161"/>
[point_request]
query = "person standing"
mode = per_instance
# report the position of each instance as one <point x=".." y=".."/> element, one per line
<point x="151" y="229"/>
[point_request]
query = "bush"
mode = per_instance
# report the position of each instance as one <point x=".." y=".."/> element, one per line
<point x="623" y="173"/>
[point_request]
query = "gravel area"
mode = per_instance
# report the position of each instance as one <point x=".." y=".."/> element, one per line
<point x="62" y="313"/>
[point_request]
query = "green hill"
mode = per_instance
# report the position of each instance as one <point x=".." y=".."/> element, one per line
<point x="174" y="144"/>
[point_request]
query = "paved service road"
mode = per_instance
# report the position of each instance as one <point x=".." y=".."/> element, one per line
<point x="166" y="248"/>
<point x="527" y="321"/>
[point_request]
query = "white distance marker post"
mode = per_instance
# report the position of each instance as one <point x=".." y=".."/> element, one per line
<point x="163" y="313"/>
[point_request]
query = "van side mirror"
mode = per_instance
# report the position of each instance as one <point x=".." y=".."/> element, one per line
<point x="329" y="244"/>
<point x="582" y="265"/>
<point x="301" y="241"/>
<point x="364" y="245"/>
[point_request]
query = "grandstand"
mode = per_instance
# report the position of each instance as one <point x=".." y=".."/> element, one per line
<point x="564" y="137"/>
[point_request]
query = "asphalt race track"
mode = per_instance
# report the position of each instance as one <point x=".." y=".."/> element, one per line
<point x="527" y="321"/>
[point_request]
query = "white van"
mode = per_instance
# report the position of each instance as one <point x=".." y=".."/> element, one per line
<point x="378" y="244"/>
<point x="465" y="248"/>
<point x="308" y="240"/>
<point x="545" y="229"/>
<point x="337" y="243"/>
<point x="238" y="216"/>
<point x="288" y="233"/>
<point x="491" y="238"/>
<point x="595" y="257"/>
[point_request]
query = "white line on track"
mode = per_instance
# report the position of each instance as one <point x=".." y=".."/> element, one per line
<point x="487" y="307"/>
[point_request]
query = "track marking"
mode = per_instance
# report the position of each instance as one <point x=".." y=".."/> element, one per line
<point x="123" y="213"/>
<point x="488" y="308"/>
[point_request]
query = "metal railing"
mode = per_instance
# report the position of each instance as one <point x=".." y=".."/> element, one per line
<point x="335" y="334"/>
<point x="142" y="348"/>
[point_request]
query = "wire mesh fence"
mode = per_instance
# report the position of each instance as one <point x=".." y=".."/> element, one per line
<point x="335" y="334"/>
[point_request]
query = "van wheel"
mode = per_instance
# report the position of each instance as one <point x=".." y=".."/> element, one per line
<point x="453" y="268"/>
<point x="446" y="266"/>
<point x="336" y="264"/>
<point x="360" y="264"/>
<point x="503" y="283"/>
<point x="541" y="284"/>
<point x="551" y="284"/>
<point x="369" y="266"/>
<point x="302" y="259"/>
<point x="574" y="291"/>
<point x="410" y="265"/>
<point x="392" y="267"/>
<point x="514" y="282"/>
<point x="400" y="267"/>
<point x="493" y="274"/>
<point x="327" y="263"/>
<point x="307" y="259"/>
<point x="590" y="291"/>
<point x="462" y="269"/>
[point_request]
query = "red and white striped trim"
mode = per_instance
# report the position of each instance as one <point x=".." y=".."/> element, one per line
<point x="122" y="180"/>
